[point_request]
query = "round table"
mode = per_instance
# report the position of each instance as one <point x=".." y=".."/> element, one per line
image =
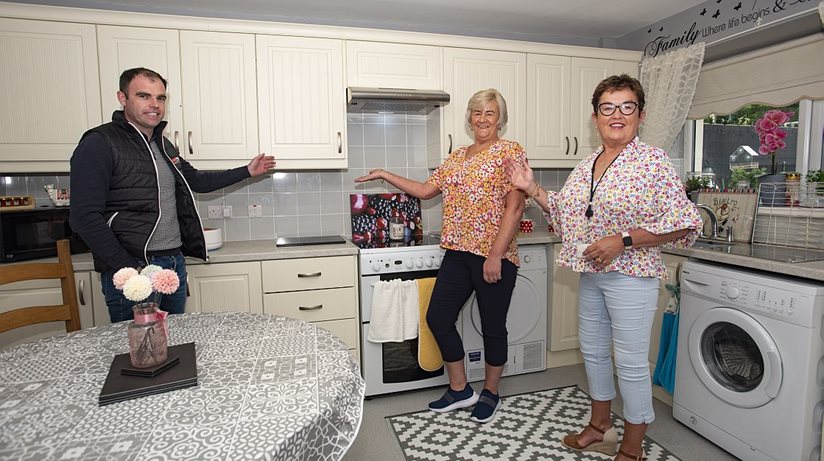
<point x="269" y="387"/>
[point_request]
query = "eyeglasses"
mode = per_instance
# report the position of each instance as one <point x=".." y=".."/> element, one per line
<point x="627" y="108"/>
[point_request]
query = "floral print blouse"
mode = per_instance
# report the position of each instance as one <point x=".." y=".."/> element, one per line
<point x="639" y="190"/>
<point x="474" y="194"/>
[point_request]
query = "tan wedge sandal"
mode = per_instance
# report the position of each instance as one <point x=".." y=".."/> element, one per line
<point x="641" y="457"/>
<point x="607" y="446"/>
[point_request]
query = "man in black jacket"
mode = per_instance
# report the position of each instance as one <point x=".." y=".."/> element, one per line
<point x="132" y="194"/>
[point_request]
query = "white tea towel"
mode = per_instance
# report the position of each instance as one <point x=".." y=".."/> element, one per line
<point x="394" y="316"/>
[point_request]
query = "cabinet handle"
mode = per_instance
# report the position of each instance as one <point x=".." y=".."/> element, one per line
<point x="191" y="151"/>
<point x="566" y="138"/>
<point x="449" y="151"/>
<point x="576" y="145"/>
<point x="81" y="292"/>
<point x="309" y="274"/>
<point x="177" y="148"/>
<point x="187" y="286"/>
<point x="310" y="308"/>
<point x="340" y="143"/>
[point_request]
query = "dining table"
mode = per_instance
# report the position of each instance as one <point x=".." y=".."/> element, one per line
<point x="269" y="387"/>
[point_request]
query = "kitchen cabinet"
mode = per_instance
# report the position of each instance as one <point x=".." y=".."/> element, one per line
<point x="122" y="48"/>
<point x="322" y="291"/>
<point x="673" y="263"/>
<point x="224" y="287"/>
<point x="51" y="92"/>
<point x="302" y="106"/>
<point x="560" y="130"/>
<point x="44" y="293"/>
<point x="467" y="71"/>
<point x="220" y="102"/>
<point x="393" y="65"/>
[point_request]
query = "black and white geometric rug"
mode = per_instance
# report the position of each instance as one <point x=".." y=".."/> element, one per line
<point x="527" y="427"/>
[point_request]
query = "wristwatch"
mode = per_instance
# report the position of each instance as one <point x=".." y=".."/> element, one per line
<point x="627" y="240"/>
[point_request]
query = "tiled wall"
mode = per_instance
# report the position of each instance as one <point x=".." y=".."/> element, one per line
<point x="306" y="203"/>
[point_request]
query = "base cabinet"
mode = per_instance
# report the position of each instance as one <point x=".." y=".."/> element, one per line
<point x="224" y="287"/>
<point x="322" y="291"/>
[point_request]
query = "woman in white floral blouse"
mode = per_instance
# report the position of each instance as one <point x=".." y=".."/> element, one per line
<point x="618" y="207"/>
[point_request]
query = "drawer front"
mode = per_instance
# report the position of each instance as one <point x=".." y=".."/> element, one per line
<point x="313" y="306"/>
<point x="346" y="330"/>
<point x="308" y="274"/>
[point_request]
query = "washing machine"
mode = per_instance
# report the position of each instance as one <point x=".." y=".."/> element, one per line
<point x="750" y="368"/>
<point x="525" y="322"/>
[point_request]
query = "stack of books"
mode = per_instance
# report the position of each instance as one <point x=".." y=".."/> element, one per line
<point x="125" y="382"/>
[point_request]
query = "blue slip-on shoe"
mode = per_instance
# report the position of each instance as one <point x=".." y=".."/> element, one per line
<point x="452" y="400"/>
<point x="486" y="408"/>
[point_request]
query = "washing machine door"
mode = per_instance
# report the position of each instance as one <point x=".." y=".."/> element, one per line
<point x="735" y="357"/>
<point x="524" y="311"/>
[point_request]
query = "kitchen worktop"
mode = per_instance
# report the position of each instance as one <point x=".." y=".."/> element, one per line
<point x="259" y="250"/>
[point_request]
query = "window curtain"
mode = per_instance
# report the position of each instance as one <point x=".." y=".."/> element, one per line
<point x="669" y="84"/>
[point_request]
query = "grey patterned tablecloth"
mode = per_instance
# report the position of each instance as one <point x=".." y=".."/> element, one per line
<point x="269" y="388"/>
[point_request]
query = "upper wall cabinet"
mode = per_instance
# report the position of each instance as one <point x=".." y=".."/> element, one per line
<point x="220" y="111"/>
<point x="561" y="131"/>
<point x="51" y="92"/>
<point x="302" y="105"/>
<point x="467" y="71"/>
<point x="393" y="65"/>
<point x="122" y="48"/>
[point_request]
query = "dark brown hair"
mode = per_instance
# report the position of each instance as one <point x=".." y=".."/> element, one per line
<point x="618" y="83"/>
<point x="129" y="74"/>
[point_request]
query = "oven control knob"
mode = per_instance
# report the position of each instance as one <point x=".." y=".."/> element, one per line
<point x="419" y="263"/>
<point x="733" y="292"/>
<point x="376" y="266"/>
<point x="409" y="264"/>
<point x="428" y="263"/>
<point x="527" y="258"/>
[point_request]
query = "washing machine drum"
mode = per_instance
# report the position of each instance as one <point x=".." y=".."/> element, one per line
<point x="735" y="357"/>
<point x="524" y="311"/>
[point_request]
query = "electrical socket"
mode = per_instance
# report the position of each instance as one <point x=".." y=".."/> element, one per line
<point x="255" y="210"/>
<point x="227" y="211"/>
<point x="215" y="211"/>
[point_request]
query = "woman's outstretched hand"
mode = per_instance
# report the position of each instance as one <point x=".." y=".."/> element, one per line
<point x="520" y="175"/>
<point x="373" y="175"/>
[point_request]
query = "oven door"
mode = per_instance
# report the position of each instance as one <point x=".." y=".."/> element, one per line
<point x="393" y="367"/>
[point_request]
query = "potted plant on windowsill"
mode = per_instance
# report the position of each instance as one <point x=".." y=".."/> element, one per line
<point x="693" y="184"/>
<point x="815" y="181"/>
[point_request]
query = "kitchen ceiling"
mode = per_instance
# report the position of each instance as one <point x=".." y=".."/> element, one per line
<point x="573" y="22"/>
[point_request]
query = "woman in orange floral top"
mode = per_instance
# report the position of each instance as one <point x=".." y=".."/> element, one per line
<point x="618" y="207"/>
<point x="481" y="211"/>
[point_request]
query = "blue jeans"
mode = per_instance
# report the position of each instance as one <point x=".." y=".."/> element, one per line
<point x="617" y="310"/>
<point x="120" y="308"/>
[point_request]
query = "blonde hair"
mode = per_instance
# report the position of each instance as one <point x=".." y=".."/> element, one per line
<point x="479" y="99"/>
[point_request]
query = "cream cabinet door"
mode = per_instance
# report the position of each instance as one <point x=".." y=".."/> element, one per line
<point x="673" y="263"/>
<point x="122" y="48"/>
<point x="563" y="313"/>
<point x="219" y="99"/>
<point x="42" y="293"/>
<point x="468" y="71"/>
<point x="549" y="140"/>
<point x="51" y="92"/>
<point x="225" y="287"/>
<point x="393" y="65"/>
<point x="302" y="107"/>
<point x="586" y="73"/>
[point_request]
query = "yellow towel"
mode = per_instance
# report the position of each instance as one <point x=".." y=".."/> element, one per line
<point x="429" y="354"/>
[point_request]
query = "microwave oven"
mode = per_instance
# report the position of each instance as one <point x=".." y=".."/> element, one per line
<point x="32" y="234"/>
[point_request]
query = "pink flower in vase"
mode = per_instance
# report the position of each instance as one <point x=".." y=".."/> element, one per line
<point x="770" y="134"/>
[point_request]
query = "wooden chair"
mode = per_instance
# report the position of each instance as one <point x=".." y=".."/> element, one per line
<point x="63" y="270"/>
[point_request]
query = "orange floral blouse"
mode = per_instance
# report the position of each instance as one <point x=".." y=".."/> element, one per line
<point x="474" y="194"/>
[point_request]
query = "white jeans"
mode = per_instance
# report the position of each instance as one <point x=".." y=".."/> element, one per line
<point x="617" y="310"/>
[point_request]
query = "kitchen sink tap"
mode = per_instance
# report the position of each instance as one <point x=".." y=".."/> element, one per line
<point x="713" y="221"/>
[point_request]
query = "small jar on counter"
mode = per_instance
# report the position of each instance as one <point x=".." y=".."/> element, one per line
<point x="793" y="193"/>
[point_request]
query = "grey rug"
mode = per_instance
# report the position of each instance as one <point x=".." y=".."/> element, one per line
<point x="527" y="426"/>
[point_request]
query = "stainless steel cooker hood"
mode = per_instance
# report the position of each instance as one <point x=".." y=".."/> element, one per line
<point x="396" y="100"/>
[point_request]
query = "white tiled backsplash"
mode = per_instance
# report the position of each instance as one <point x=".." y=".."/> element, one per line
<point x="304" y="203"/>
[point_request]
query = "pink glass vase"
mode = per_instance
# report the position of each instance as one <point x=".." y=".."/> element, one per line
<point x="147" y="336"/>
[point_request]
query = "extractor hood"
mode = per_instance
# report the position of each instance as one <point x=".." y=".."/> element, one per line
<point x="394" y="100"/>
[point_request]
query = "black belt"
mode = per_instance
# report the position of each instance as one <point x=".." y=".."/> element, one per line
<point x="169" y="252"/>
